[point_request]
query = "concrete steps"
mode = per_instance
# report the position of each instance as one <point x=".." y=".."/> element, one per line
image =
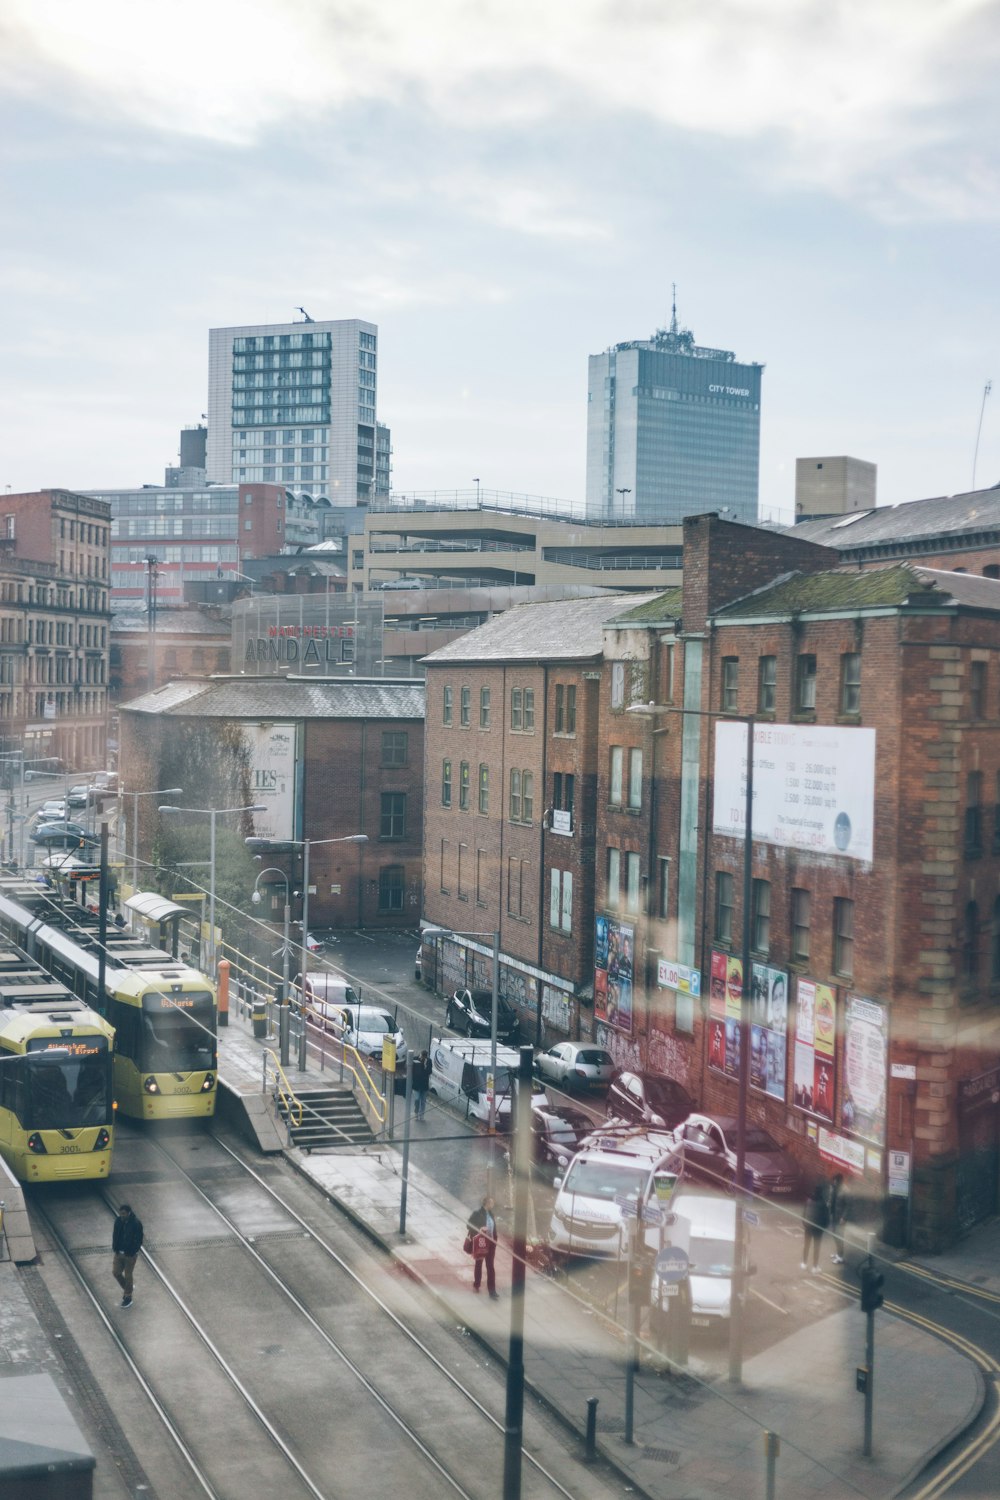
<point x="330" y="1117"/>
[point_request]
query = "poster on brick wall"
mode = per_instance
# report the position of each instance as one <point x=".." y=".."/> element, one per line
<point x="866" y="1055"/>
<point x="768" y="1029"/>
<point x="725" y="1001"/>
<point x="814" y="1078"/>
<point x="614" y="950"/>
<point x="270" y="749"/>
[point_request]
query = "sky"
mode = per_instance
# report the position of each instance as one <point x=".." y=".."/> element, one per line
<point x="505" y="189"/>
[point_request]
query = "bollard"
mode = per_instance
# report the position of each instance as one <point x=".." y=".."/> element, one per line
<point x="590" y="1454"/>
<point x="259" y="1017"/>
<point x="772" y="1447"/>
<point x="223" y="991"/>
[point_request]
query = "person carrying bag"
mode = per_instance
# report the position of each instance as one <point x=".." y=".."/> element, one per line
<point x="481" y="1244"/>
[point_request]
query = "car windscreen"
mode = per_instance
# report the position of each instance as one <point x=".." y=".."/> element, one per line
<point x="710" y="1257"/>
<point x="664" y="1092"/>
<point x="503" y="1079"/>
<point x="604" y="1179"/>
<point x="372" y="1020"/>
<point x="594" y="1057"/>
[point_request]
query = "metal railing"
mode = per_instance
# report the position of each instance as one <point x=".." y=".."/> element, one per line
<point x="283" y="1090"/>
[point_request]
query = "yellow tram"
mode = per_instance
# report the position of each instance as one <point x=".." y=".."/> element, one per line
<point x="163" y="1011"/>
<point x="56" y="1106"/>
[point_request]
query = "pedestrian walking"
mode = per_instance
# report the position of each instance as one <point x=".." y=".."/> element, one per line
<point x="482" y="1226"/>
<point x="815" y="1218"/>
<point x="838" y="1216"/>
<point x="421" y="1083"/>
<point x="126" y="1242"/>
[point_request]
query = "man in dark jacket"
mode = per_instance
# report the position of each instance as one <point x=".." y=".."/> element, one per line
<point x="421" y="1083"/>
<point x="482" y="1225"/>
<point x="126" y="1242"/>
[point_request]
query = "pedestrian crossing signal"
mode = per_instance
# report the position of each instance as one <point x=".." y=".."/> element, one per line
<point x="872" y="1282"/>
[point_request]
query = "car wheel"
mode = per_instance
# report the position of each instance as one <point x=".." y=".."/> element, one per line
<point x="450" y="1019"/>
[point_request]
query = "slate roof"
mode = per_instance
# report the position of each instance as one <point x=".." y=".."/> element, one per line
<point x="851" y="589"/>
<point x="945" y="516"/>
<point x="283" y="697"/>
<point x="170" y="621"/>
<point x="665" y="608"/>
<point x="561" y="630"/>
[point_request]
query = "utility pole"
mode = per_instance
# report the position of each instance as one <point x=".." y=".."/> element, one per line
<point x="872" y="1298"/>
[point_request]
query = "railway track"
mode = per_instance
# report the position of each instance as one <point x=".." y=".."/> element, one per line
<point x="274" y="1350"/>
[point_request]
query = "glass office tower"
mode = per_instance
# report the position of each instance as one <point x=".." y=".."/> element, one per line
<point x="673" y="430"/>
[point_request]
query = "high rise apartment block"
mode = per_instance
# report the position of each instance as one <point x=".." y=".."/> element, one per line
<point x="673" y="430"/>
<point x="295" y="404"/>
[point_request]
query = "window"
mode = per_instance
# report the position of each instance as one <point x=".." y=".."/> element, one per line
<point x="527" y="796"/>
<point x="850" y="682"/>
<point x="444" y="866"/>
<point x="463" y="786"/>
<point x="973" y="814"/>
<point x="517" y="708"/>
<point x="663" y="888"/>
<point x="463" y="853"/>
<point x="391" y="886"/>
<point x="394" y="747"/>
<point x="446" y="783"/>
<point x="632" y="882"/>
<point x="977" y="689"/>
<point x="723" y="907"/>
<point x="515" y="887"/>
<point x="529" y="710"/>
<point x="480" y="877"/>
<point x="484" y="789"/>
<point x="565" y="708"/>
<point x="617" y="684"/>
<point x="465" y="708"/>
<point x="447" y="701"/>
<point x="635" y="778"/>
<point x="484" y="708"/>
<point x="970" y="943"/>
<point x="515" y="797"/>
<point x="561" y="900"/>
<point x="393" y="820"/>
<point x="761" y="928"/>
<point x="801" y="904"/>
<point x="614" y="878"/>
<point x="564" y="790"/>
<point x="843" y="937"/>
<point x="617" y="775"/>
<point x="729" y="698"/>
<point x="805" y="684"/>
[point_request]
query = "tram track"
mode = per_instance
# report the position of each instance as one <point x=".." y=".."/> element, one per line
<point x="418" y="1448"/>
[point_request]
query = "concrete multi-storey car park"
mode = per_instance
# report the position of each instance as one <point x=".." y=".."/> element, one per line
<point x="875" y="937"/>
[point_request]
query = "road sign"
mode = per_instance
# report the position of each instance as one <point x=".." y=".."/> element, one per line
<point x="652" y="1213"/>
<point x="672" y="1264"/>
<point x="671" y="1289"/>
<point x="750" y="1217"/>
<point x="628" y="1205"/>
<point x="669" y="1218"/>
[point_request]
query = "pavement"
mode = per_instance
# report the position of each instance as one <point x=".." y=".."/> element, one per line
<point x="696" y="1436"/>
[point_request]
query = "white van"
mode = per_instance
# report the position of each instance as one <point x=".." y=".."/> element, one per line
<point x="459" y="1071"/>
<point x="708" y="1221"/>
<point x="587" y="1217"/>
<point x="325" y="991"/>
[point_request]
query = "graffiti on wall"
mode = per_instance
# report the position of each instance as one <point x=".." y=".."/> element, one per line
<point x="668" y="1056"/>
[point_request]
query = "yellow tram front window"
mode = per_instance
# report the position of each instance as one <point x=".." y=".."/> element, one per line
<point x="178" y="1033"/>
<point x="68" y="1084"/>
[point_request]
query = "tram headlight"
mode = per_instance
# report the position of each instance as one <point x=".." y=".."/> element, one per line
<point x="209" y="1083"/>
<point x="103" y="1140"/>
<point x="36" y="1144"/>
<point x="150" y="1085"/>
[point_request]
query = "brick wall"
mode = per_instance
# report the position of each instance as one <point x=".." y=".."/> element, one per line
<point x="724" y="560"/>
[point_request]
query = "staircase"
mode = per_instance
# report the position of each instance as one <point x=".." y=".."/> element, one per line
<point x="330" y="1117"/>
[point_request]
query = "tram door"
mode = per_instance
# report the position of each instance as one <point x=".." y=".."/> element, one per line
<point x="978" y="1148"/>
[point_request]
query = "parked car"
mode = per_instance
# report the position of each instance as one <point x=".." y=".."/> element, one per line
<point x="62" y="834"/>
<point x="470" y="1012"/>
<point x="708" y="1143"/>
<point x="363" y="1027"/>
<point x="575" y="1065"/>
<point x="404" y="583"/>
<point x="80" y="796"/>
<point x="587" y="1217"/>
<point x="649" y="1099"/>
<point x="325" y="987"/>
<point x="556" y="1136"/>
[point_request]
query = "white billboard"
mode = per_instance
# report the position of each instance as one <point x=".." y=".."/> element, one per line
<point x="813" y="787"/>
<point x="271" y="750"/>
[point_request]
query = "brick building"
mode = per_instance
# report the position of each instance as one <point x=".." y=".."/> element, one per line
<point x="54" y="627"/>
<point x="875" y="920"/>
<point x="327" y="759"/>
<point x="184" y="643"/>
<point x="509" y="807"/>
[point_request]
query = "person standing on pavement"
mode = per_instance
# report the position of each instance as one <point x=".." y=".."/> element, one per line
<point x="815" y="1218"/>
<point x="126" y="1242"/>
<point x="421" y="1083"/>
<point x="838" y="1216"/>
<point x="482" y="1226"/>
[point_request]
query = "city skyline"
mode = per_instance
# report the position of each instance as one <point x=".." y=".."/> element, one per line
<point x="504" y="195"/>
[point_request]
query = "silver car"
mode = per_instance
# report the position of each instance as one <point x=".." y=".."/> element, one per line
<point x="576" y="1066"/>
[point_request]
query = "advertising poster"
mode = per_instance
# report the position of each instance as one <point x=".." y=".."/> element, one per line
<point x="813" y="787"/>
<point x="717" y="1012"/>
<point x="768" y="1029"/>
<point x="866" y="1051"/>
<point x="614" y="955"/>
<point x="271" y="752"/>
<point x="815" y="1039"/>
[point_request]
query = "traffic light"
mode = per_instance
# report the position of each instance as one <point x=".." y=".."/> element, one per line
<point x="872" y="1282"/>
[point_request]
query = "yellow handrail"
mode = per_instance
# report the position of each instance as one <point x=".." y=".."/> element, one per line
<point x="286" y="1093"/>
<point x="364" y="1081"/>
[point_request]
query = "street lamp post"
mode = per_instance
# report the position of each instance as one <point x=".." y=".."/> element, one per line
<point x="286" y="948"/>
<point x="212" y="813"/>
<point x="260" y="846"/>
<point x="167" y="791"/>
<point x="739" y="1269"/>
